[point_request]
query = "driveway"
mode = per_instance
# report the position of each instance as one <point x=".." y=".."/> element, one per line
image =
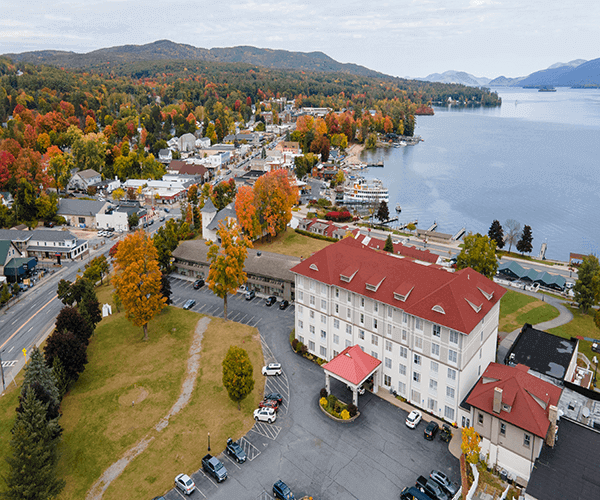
<point x="372" y="457"/>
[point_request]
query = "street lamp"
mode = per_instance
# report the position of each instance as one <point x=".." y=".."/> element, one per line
<point x="209" y="441"/>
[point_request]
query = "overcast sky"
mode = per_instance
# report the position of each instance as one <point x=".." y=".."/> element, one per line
<point x="401" y="38"/>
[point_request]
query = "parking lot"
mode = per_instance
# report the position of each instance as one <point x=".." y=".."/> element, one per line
<point x="372" y="457"/>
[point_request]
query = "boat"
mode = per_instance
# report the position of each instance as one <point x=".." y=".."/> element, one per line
<point x="398" y="208"/>
<point x="363" y="190"/>
<point x="546" y="89"/>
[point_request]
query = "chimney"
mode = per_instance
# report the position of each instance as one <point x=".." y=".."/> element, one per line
<point x="497" y="400"/>
<point x="552" y="416"/>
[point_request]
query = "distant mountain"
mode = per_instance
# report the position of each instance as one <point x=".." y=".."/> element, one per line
<point x="456" y="77"/>
<point x="503" y="81"/>
<point x="165" y="49"/>
<point x="574" y="63"/>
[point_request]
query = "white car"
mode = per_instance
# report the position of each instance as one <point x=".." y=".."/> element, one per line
<point x="272" y="369"/>
<point x="413" y="419"/>
<point x="185" y="483"/>
<point x="265" y="415"/>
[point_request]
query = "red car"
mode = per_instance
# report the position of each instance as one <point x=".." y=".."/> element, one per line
<point x="269" y="403"/>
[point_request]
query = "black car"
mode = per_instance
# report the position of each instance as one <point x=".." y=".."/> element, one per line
<point x="236" y="451"/>
<point x="431" y="430"/>
<point x="282" y="491"/>
<point x="198" y="284"/>
<point x="446" y="433"/>
<point x="283" y="304"/>
<point x="270" y="300"/>
<point x="275" y="396"/>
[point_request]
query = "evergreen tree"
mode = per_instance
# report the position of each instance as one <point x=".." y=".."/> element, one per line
<point x="4" y="294"/>
<point x="383" y="212"/>
<point x="165" y="287"/>
<point x="32" y="463"/>
<point x="524" y="244"/>
<point x="60" y="375"/>
<point x="496" y="233"/>
<point x="37" y="371"/>
<point x="389" y="245"/>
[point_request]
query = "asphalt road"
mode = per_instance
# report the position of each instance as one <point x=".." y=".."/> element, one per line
<point x="373" y="457"/>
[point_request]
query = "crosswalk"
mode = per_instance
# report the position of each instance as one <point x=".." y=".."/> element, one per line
<point x="9" y="364"/>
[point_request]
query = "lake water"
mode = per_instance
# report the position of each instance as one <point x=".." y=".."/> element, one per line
<point x="535" y="159"/>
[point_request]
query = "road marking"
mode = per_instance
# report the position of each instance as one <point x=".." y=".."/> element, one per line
<point x="251" y="450"/>
<point x="8" y="364"/>
<point x="203" y="306"/>
<point x="15" y="321"/>
<point x="179" y="492"/>
<point x="11" y="349"/>
<point x="208" y="477"/>
<point x="33" y="316"/>
<point x="225" y="455"/>
<point x="269" y="431"/>
<point x="259" y="320"/>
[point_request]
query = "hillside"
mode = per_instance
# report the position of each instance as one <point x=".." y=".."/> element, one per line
<point x="459" y="77"/>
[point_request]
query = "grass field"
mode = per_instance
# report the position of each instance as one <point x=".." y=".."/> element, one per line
<point x="582" y="325"/>
<point x="292" y="243"/>
<point x="516" y="309"/>
<point x="100" y="424"/>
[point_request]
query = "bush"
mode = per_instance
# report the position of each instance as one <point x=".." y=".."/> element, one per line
<point x="300" y="347"/>
<point x="352" y="410"/>
<point x="324" y="393"/>
<point x="295" y="344"/>
<point x="344" y="216"/>
<point x="331" y="401"/>
<point x="345" y="415"/>
<point x="337" y="407"/>
<point x="323" y="402"/>
<point x="303" y="349"/>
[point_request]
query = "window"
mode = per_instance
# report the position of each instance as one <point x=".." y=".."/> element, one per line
<point x="388" y="363"/>
<point x="323" y="289"/>
<point x="349" y="313"/>
<point x="362" y="319"/>
<point x="433" y="386"/>
<point x="417" y="360"/>
<point x="336" y="339"/>
<point x="390" y="311"/>
<point x="336" y="324"/>
<point x="335" y="353"/>
<point x="323" y="334"/>
<point x="311" y="284"/>
<point x="526" y="440"/>
<point x="449" y="413"/>
<point x="480" y="418"/>
<point x="300" y="339"/>
<point x="403" y="352"/>
<point x="415" y="396"/>
<point x="401" y="387"/>
<point x="362" y="302"/>
<point x="312" y="300"/>
<point x="418" y="343"/>
<point x="434" y="367"/>
<point x="374" y="354"/>
<point x="452" y="356"/>
<point x="348" y="343"/>
<point x="404" y="335"/>
<point x="323" y="319"/>
<point x="502" y="428"/>
<point x="323" y="351"/>
<point x="349" y="329"/>
<point x="300" y="280"/>
<point x="417" y="377"/>
<point x="388" y="346"/>
<point x="361" y="334"/>
<point x="431" y="404"/>
<point x="404" y="318"/>
<point x="450" y="392"/>
<point x="349" y="297"/>
<point x="301" y="295"/>
<point x="453" y="337"/>
<point x="418" y="324"/>
<point x="312" y="329"/>
<point x="479" y="370"/>
<point x="389" y="330"/>
<point x="323" y="304"/>
<point x="451" y="374"/>
<point x="374" y="324"/>
<point x="337" y="293"/>
<point x="311" y="345"/>
<point x="402" y="369"/>
<point x="436" y="330"/>
<point x="337" y="308"/>
<point x="481" y="337"/>
<point x="435" y="349"/>
<point x="374" y="340"/>
<point x="387" y="380"/>
<point x="81" y="221"/>
<point x="300" y="310"/>
<point x="300" y="325"/>
<point x="312" y="314"/>
<point x="376" y="306"/>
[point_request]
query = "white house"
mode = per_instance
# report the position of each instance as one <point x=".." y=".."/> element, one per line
<point x="80" y="181"/>
<point x="435" y="331"/>
<point x="211" y="219"/>
<point x="187" y="142"/>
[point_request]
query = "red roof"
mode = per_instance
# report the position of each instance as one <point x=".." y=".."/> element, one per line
<point x="352" y="364"/>
<point x="436" y="294"/>
<point x="528" y="396"/>
<point x="399" y="249"/>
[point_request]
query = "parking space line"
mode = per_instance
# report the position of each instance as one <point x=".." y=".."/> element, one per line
<point x="269" y="431"/>
<point x="264" y="496"/>
<point x="251" y="451"/>
<point x="179" y="492"/>
<point x="235" y="317"/>
<point x="259" y="320"/>
<point x="225" y="455"/>
<point x="208" y="477"/>
<point x="203" y="306"/>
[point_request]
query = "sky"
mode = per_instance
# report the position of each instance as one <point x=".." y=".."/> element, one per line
<point x="406" y="38"/>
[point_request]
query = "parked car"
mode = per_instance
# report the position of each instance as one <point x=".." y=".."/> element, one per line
<point x="214" y="467"/>
<point x="444" y="481"/>
<point x="189" y="304"/>
<point x="265" y="415"/>
<point x="236" y="451"/>
<point x="596" y="347"/>
<point x="283" y="304"/>
<point x="198" y="284"/>
<point x="270" y="300"/>
<point x="431" y="430"/>
<point x="275" y="396"/>
<point x="162" y="218"/>
<point x="413" y="493"/>
<point x="431" y="488"/>
<point x="282" y="491"/>
<point x="185" y="484"/>
<point x="272" y="369"/>
<point x="446" y="433"/>
<point x="250" y="294"/>
<point x="360" y="390"/>
<point x="413" y="419"/>
<point x="269" y="403"/>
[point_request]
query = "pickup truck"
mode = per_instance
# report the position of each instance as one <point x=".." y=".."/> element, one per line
<point x="431" y="488"/>
<point x="214" y="467"/>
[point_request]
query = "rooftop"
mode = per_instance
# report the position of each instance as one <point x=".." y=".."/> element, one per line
<point x="74" y="206"/>
<point x="352" y="364"/>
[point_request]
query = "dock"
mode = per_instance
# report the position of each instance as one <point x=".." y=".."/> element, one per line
<point x="378" y="164"/>
<point x="404" y="226"/>
<point x="459" y="234"/>
<point x="433" y="227"/>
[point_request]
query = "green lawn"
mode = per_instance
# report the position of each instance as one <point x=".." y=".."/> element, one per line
<point x="100" y="424"/>
<point x="582" y="325"/>
<point x="516" y="309"/>
<point x="291" y="243"/>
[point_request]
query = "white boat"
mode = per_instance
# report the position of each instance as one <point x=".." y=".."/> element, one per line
<point x="398" y="208"/>
<point x="365" y="191"/>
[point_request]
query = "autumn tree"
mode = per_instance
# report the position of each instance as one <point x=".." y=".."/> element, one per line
<point x="524" y="244"/>
<point x="274" y="197"/>
<point x="245" y="210"/>
<point x="496" y="233"/>
<point x="470" y="445"/>
<point x="478" y="253"/>
<point x="138" y="279"/>
<point x="238" y="377"/>
<point x="587" y="286"/>
<point x="226" y="273"/>
<point x="118" y="194"/>
<point x="513" y="232"/>
<point x="96" y="269"/>
<point x="83" y="295"/>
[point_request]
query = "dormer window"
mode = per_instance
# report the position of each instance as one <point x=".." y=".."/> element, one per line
<point x="439" y="309"/>
<point x="475" y="307"/>
<point x="314" y="267"/>
<point x="348" y="273"/>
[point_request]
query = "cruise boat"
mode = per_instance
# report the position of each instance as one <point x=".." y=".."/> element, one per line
<point x="362" y="190"/>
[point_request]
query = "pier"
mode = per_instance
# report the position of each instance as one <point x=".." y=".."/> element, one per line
<point x="378" y="164"/>
<point x="433" y="227"/>
<point x="459" y="234"/>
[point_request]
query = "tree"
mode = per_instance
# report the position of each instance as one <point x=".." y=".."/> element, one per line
<point x="496" y="233"/>
<point x="70" y="320"/>
<point x="118" y="194"/>
<point x="165" y="288"/>
<point x="524" y="244"/>
<point x="166" y="240"/>
<point x="226" y="273"/>
<point x="61" y="377"/>
<point x="83" y="294"/>
<point x="4" y="294"/>
<point x="587" y="286"/>
<point x="371" y="141"/>
<point x="246" y="212"/>
<point x="238" y="377"/>
<point x="71" y="351"/>
<point x="37" y="372"/>
<point x="274" y="198"/>
<point x="133" y="219"/>
<point x="470" y="445"/>
<point x="478" y="253"/>
<point x="383" y="212"/>
<point x="138" y="279"/>
<point x="389" y="245"/>
<point x="513" y="232"/>
<point x="33" y="459"/>
<point x="97" y="268"/>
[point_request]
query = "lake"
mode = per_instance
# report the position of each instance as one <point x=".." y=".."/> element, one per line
<point x="535" y="159"/>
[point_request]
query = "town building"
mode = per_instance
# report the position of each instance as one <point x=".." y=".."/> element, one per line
<point x="211" y="218"/>
<point x="46" y="243"/>
<point x="435" y="331"/>
<point x="81" y="213"/>
<point x="81" y="180"/>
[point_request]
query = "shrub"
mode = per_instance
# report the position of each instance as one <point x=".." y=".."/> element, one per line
<point x="352" y="410"/>
<point x="345" y="415"/>
<point x="303" y="349"/>
<point x="323" y="402"/>
<point x="324" y="393"/>
<point x="300" y="347"/>
<point x="337" y="407"/>
<point x="295" y="344"/>
<point x="331" y="401"/>
<point x="339" y="216"/>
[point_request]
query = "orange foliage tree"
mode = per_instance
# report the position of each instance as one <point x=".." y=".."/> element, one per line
<point x="138" y="279"/>
<point x="246" y="212"/>
<point x="274" y="197"/>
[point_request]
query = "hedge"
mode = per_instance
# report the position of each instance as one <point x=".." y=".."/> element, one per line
<point x="316" y="236"/>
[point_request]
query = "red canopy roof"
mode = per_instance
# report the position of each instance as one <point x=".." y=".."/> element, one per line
<point x="352" y="364"/>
